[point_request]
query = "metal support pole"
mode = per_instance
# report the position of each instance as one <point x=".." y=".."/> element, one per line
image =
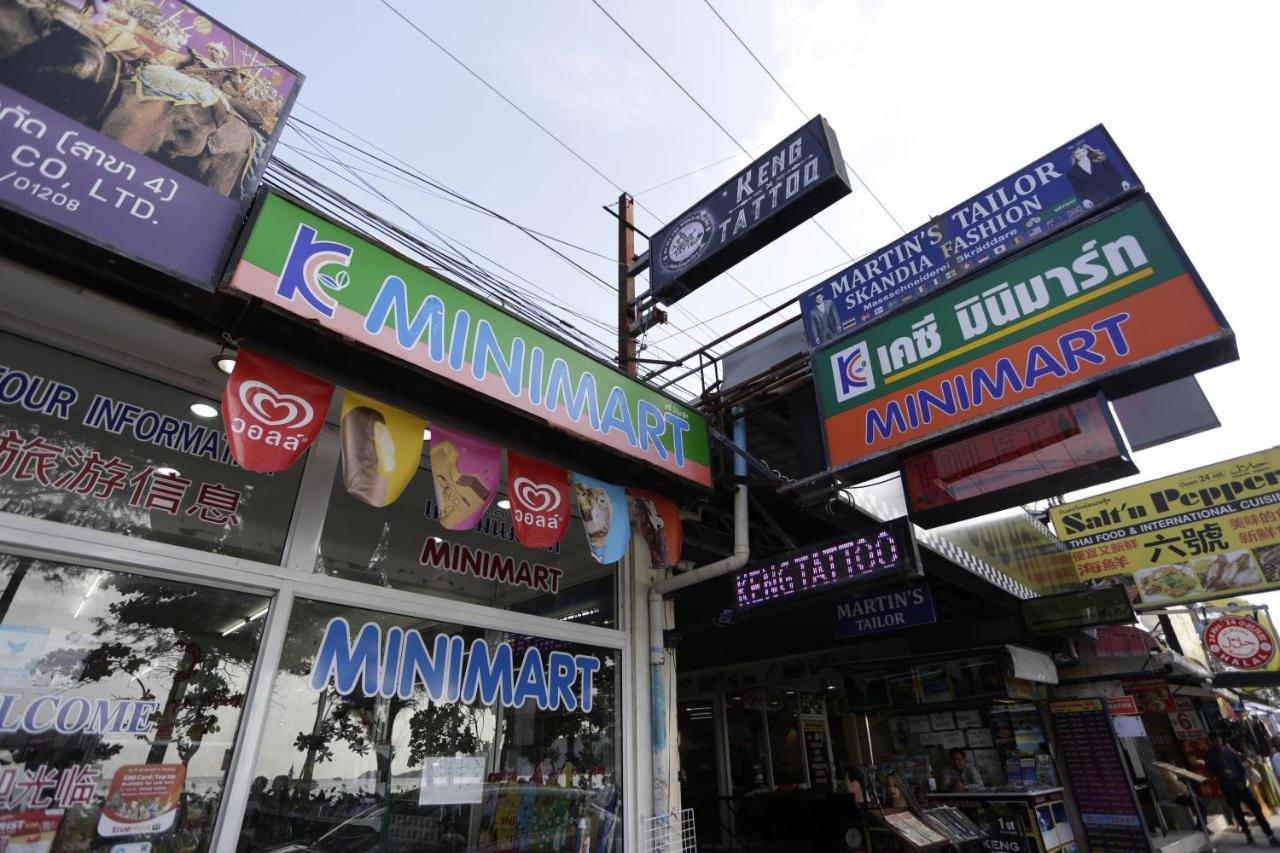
<point x="626" y="286"/>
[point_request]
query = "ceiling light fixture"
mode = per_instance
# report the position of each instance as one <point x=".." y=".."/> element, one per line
<point x="203" y="410"/>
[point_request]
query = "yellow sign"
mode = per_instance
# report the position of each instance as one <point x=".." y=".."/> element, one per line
<point x="381" y="449"/>
<point x="1209" y="533"/>
<point x="1075" y="706"/>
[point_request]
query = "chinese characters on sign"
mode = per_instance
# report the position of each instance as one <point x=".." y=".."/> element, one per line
<point x="1213" y="532"/>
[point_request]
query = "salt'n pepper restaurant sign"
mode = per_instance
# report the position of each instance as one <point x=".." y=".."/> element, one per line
<point x="323" y="272"/>
<point x="796" y="179"/>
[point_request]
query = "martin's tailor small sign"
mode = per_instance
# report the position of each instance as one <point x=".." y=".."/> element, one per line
<point x="884" y="611"/>
<point x="796" y="179"/>
<point x="1063" y="187"/>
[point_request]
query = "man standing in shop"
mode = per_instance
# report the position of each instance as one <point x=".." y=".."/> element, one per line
<point x="1222" y="761"/>
<point x="961" y="776"/>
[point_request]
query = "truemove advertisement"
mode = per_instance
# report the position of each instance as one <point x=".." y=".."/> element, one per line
<point x="321" y="271"/>
<point x="1089" y="305"/>
<point x="1208" y="533"/>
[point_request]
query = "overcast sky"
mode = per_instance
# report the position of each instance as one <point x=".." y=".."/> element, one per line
<point x="932" y="102"/>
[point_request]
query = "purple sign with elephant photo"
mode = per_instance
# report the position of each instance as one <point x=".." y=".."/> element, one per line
<point x="142" y="126"/>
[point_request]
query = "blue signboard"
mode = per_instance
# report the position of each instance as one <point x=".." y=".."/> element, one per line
<point x="788" y="184"/>
<point x="887" y="610"/>
<point x="1059" y="189"/>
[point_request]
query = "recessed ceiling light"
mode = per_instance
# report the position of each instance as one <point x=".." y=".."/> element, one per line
<point x="426" y="435"/>
<point x="203" y="410"/>
<point x="226" y="362"/>
<point x="166" y="471"/>
<point x="503" y="503"/>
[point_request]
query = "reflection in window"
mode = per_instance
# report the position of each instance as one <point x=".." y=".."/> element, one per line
<point x="119" y="701"/>
<point x="91" y="446"/>
<point x="403" y="546"/>
<point x="411" y="768"/>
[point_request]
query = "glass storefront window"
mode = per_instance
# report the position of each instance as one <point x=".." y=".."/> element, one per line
<point x="404" y="546"/>
<point x="394" y="733"/>
<point x="91" y="446"/>
<point x="119" y="702"/>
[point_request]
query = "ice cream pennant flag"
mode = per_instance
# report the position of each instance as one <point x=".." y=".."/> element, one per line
<point x="659" y="521"/>
<point x="466" y="473"/>
<point x="604" y="516"/>
<point x="539" y="500"/>
<point x="381" y="449"/>
<point x="272" y="412"/>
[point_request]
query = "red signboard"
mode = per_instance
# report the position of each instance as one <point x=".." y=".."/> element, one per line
<point x="1062" y="449"/>
<point x="1239" y="642"/>
<point x="1122" y="705"/>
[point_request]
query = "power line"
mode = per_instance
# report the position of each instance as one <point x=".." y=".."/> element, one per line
<point x="699" y="105"/>
<point x="799" y="108"/>
<point x="548" y="132"/>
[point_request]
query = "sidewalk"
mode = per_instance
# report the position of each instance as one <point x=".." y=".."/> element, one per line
<point x="1232" y="839"/>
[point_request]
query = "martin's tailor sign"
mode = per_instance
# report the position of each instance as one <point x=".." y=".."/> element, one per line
<point x="884" y="611"/>
<point x="320" y="271"/>
<point x="1059" y="189"/>
<point x="799" y="177"/>
<point x="143" y="129"/>
<point x="885" y="552"/>
<point x="1080" y="311"/>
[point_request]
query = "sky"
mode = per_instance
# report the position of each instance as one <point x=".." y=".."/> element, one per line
<point x="931" y="101"/>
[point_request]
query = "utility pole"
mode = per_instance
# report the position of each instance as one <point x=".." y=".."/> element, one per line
<point x="626" y="285"/>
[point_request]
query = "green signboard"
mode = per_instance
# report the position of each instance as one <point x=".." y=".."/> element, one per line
<point x="1089" y="305"/>
<point x="323" y="272"/>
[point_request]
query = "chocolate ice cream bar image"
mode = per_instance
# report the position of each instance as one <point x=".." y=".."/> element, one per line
<point x="476" y="485"/>
<point x="368" y="455"/>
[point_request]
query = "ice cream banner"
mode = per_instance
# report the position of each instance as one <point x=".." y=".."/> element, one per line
<point x="539" y="500"/>
<point x="29" y="831"/>
<point x="466" y="472"/>
<point x="272" y="412"/>
<point x="142" y="800"/>
<point x="603" y="507"/>
<point x="659" y="521"/>
<point x="381" y="449"/>
<point x="1205" y="534"/>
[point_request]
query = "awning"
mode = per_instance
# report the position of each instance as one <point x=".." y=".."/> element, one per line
<point x="1031" y="665"/>
<point x="1246" y="679"/>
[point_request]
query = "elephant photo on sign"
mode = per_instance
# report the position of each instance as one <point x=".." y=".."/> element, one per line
<point x="156" y="76"/>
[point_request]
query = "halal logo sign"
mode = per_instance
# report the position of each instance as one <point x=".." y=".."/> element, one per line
<point x="687" y="241"/>
<point x="1239" y="642"/>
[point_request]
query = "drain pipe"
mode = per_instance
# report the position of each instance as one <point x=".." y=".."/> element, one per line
<point x="657" y="622"/>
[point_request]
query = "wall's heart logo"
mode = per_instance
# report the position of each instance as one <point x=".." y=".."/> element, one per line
<point x="536" y="497"/>
<point x="273" y="408"/>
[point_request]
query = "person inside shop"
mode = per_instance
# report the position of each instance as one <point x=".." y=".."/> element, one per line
<point x="961" y="776"/>
<point x="893" y="794"/>
<point x="1224" y="763"/>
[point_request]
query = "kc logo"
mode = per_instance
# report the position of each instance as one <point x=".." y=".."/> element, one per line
<point x="268" y="429"/>
<point x="302" y="276"/>
<point x="852" y="370"/>
<point x="539" y="500"/>
<point x="536" y="497"/>
<point x="273" y="409"/>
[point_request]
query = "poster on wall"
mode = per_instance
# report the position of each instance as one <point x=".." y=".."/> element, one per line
<point x="1208" y="533"/>
<point x="1085" y="308"/>
<point x="142" y="127"/>
<point x="143" y="800"/>
<point x="1061" y="188"/>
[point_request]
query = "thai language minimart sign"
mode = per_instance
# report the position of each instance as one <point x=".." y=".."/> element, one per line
<point x="1062" y="449"/>
<point x="1061" y="188"/>
<point x="323" y="272"/>
<point x="1084" y="309"/>
<point x="144" y="129"/>
<point x="1208" y="533"/>
<point x="884" y="552"/>
<point x="781" y="189"/>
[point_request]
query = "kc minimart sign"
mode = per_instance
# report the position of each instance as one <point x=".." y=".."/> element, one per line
<point x="1208" y="533"/>
<point x="320" y="271"/>
<point x="1089" y="306"/>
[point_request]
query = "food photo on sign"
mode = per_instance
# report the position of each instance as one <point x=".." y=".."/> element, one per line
<point x="150" y="121"/>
